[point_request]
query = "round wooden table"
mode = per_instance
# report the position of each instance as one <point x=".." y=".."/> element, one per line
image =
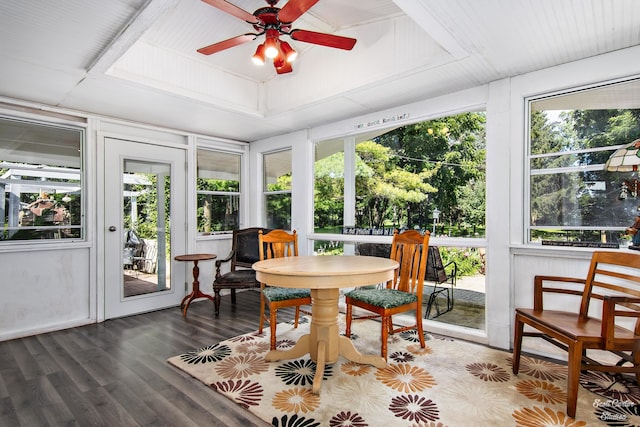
<point x="195" y="290"/>
<point x="325" y="275"/>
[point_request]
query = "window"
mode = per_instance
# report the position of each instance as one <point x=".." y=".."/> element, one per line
<point x="428" y="175"/>
<point x="329" y="187"/>
<point x="40" y="181"/>
<point x="218" y="191"/>
<point x="277" y="189"/>
<point x="573" y="200"/>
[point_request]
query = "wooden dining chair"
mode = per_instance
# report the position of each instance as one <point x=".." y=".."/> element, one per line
<point x="607" y="318"/>
<point x="277" y="244"/>
<point x="403" y="293"/>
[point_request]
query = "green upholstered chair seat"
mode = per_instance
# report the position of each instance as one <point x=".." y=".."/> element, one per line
<point x="385" y="298"/>
<point x="274" y="293"/>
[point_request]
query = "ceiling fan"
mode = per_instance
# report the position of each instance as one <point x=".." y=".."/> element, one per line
<point x="273" y="22"/>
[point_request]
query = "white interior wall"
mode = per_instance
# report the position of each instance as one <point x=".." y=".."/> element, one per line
<point x="301" y="187"/>
<point x="499" y="155"/>
<point x="44" y="289"/>
<point x="528" y="260"/>
<point x="57" y="287"/>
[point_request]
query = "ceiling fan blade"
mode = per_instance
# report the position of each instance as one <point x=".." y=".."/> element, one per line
<point x="232" y="9"/>
<point x="226" y="44"/>
<point x="323" y="39"/>
<point x="293" y="9"/>
<point x="286" y="68"/>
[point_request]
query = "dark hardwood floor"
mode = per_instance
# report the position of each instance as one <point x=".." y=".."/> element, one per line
<point x="115" y="373"/>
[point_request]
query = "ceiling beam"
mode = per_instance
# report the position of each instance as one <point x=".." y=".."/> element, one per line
<point x="417" y="10"/>
<point x="140" y="22"/>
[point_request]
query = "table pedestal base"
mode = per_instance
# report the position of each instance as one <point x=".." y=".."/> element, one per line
<point x="193" y="295"/>
<point x="324" y="343"/>
<point x="195" y="292"/>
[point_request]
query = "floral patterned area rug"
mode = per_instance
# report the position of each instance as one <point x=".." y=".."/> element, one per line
<point x="448" y="383"/>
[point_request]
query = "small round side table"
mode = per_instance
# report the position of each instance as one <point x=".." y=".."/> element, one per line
<point x="195" y="291"/>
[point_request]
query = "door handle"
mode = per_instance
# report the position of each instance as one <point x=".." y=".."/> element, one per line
<point x="112" y="228"/>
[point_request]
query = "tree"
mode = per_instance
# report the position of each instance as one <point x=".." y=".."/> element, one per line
<point x="403" y="175"/>
<point x="383" y="188"/>
<point x="329" y="191"/>
<point x="449" y="152"/>
<point x="278" y="204"/>
<point x="565" y="197"/>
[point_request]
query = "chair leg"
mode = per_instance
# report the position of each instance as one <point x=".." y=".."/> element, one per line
<point x="636" y="364"/>
<point x="432" y="301"/>
<point x="384" y="336"/>
<point x="216" y="301"/>
<point x="273" y="313"/>
<point x="347" y="332"/>
<point x="262" y="304"/>
<point x="517" y="345"/>
<point x="419" y="326"/>
<point x="573" y="377"/>
<point x="233" y="296"/>
<point x="295" y="321"/>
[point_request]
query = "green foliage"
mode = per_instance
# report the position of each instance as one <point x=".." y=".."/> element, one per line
<point x="403" y="175"/>
<point x="208" y="184"/>
<point x="147" y="221"/>
<point x="383" y="189"/>
<point x="278" y="208"/>
<point x="468" y="260"/>
<point x="324" y="247"/>
<point x="283" y="183"/>
<point x="278" y="205"/>
<point x="329" y="190"/>
<point x="217" y="212"/>
<point x="564" y="197"/>
<point x="448" y="153"/>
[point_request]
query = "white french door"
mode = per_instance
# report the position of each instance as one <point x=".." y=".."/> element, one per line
<point x="144" y="218"/>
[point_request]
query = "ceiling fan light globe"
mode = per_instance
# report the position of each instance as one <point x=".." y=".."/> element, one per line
<point x="258" y="57"/>
<point x="289" y="53"/>
<point x="271" y="47"/>
<point x="271" y="52"/>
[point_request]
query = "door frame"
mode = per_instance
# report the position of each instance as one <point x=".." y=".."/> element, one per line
<point x="179" y="232"/>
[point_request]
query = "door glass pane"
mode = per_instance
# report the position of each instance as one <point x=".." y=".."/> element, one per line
<point x="146" y="218"/>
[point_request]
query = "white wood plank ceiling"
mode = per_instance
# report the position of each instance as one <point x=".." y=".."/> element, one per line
<point x="137" y="59"/>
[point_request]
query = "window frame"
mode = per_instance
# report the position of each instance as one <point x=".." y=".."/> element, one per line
<point x="349" y="147"/>
<point x="48" y="169"/>
<point x="266" y="193"/>
<point x="238" y="194"/>
<point x="530" y="172"/>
